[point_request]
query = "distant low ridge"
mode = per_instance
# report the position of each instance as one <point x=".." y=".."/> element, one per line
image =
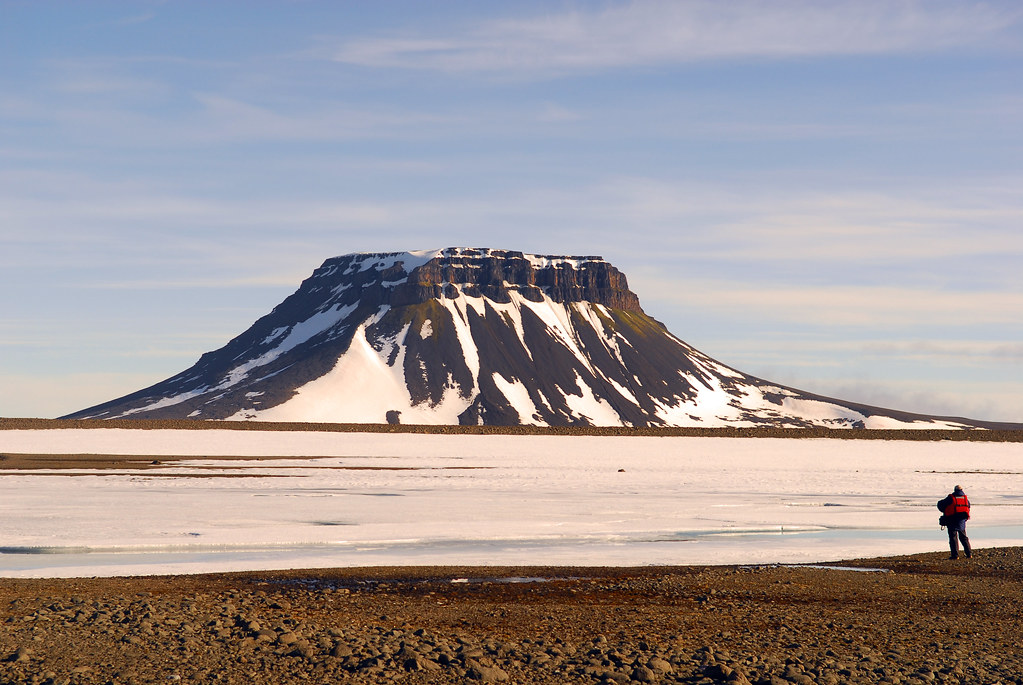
<point x="477" y="336"/>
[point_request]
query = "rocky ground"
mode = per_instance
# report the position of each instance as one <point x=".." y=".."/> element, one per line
<point x="925" y="620"/>
<point x="999" y="432"/>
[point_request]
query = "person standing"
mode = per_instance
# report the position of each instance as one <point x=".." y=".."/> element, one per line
<point x="956" y="510"/>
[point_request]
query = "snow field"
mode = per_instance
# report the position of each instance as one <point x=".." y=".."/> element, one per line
<point x="365" y="498"/>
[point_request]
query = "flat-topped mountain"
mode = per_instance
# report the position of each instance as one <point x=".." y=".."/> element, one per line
<point x="479" y="336"/>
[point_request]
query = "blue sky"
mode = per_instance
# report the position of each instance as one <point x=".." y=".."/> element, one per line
<point x="824" y="194"/>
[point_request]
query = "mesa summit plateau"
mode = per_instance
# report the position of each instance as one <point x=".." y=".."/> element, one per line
<point x="478" y="336"/>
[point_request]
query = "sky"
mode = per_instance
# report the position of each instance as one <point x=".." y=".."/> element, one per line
<point x="826" y="194"/>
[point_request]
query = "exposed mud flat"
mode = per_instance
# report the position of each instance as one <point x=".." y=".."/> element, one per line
<point x="926" y="619"/>
<point x="131" y="464"/>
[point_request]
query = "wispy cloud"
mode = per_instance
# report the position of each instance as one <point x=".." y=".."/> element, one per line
<point x="225" y="119"/>
<point x="135" y="19"/>
<point x="266" y="279"/>
<point x="555" y="113"/>
<point x="659" y="32"/>
<point x="63" y="337"/>
<point x="101" y="77"/>
<point x="975" y="351"/>
<point x="755" y="219"/>
<point x="878" y="307"/>
<point x="123" y="21"/>
<point x="208" y="118"/>
<point x="793" y="350"/>
<point x="796" y="232"/>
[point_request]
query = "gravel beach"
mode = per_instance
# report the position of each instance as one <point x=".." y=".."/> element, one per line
<point x="913" y="619"/>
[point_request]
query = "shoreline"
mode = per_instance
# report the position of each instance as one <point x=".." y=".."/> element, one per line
<point x="414" y="573"/>
<point x="651" y="624"/>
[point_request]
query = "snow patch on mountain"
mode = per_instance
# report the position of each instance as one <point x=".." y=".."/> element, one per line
<point x="165" y="402"/>
<point x="517" y="395"/>
<point x="386" y="260"/>
<point x="361" y="386"/>
<point x="588" y="406"/>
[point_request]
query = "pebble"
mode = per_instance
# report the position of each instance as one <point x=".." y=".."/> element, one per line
<point x="771" y="627"/>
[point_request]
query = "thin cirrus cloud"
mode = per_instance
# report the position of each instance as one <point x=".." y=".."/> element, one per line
<point x="797" y="351"/>
<point x="232" y="118"/>
<point x="909" y="223"/>
<point x="680" y="219"/>
<point x="213" y="119"/>
<point x="977" y="351"/>
<point x="649" y="33"/>
<point x="266" y="279"/>
<point x="879" y="307"/>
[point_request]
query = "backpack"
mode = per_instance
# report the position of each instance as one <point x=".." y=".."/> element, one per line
<point x="958" y="506"/>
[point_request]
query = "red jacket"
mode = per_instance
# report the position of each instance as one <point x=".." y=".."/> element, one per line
<point x="956" y="505"/>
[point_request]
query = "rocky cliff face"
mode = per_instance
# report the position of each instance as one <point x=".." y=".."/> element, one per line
<point x="477" y="336"/>
<point x="495" y="274"/>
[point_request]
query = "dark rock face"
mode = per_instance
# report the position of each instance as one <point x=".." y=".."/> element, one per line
<point x="476" y="336"/>
<point x="494" y="274"/>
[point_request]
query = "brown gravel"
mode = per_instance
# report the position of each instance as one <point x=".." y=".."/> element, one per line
<point x="927" y="620"/>
<point x="1000" y="432"/>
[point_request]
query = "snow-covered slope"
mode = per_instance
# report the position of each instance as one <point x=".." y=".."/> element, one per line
<point x="478" y="336"/>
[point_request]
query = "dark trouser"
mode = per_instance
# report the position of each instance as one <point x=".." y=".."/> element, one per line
<point x="957" y="534"/>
